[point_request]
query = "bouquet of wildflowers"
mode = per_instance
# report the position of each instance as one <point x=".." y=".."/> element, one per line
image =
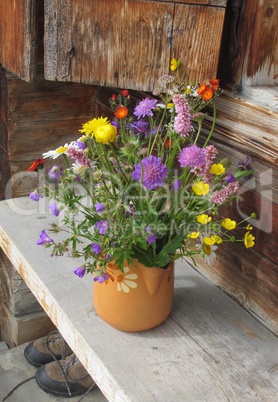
<point x="141" y="186"/>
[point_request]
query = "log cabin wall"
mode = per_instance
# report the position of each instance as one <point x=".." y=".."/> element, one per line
<point x="63" y="60"/>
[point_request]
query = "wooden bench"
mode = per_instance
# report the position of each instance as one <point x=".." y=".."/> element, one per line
<point x="209" y="349"/>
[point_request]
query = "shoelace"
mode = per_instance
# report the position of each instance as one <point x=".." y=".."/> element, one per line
<point x="69" y="363"/>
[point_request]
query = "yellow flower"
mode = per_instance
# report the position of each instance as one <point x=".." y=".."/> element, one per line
<point x="193" y="235"/>
<point x="106" y="133"/>
<point x="228" y="224"/>
<point x="92" y="125"/>
<point x="204" y="219"/>
<point x="174" y="64"/>
<point x="209" y="240"/>
<point x="249" y="227"/>
<point x="218" y="239"/>
<point x="217" y="169"/>
<point x="249" y="240"/>
<point x="200" y="188"/>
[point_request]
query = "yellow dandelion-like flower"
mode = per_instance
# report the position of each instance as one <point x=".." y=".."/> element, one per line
<point x="217" y="169"/>
<point x="203" y="219"/>
<point x="249" y="240"/>
<point x="91" y="126"/>
<point x="228" y="224"/>
<point x="200" y="188"/>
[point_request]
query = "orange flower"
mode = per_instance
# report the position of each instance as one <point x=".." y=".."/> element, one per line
<point x="201" y="89"/>
<point x="35" y="165"/>
<point x="214" y="83"/>
<point x="207" y="94"/>
<point x="121" y="112"/>
<point x="168" y="143"/>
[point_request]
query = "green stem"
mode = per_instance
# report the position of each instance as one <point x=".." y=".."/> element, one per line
<point x="212" y="126"/>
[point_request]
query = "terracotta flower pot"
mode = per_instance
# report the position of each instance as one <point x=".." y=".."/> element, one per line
<point x="137" y="299"/>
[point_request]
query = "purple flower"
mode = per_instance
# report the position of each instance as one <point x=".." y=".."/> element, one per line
<point x="96" y="248"/>
<point x="230" y="178"/>
<point x="55" y="172"/>
<point x="154" y="172"/>
<point x="101" y="278"/>
<point x="80" y="271"/>
<point x="44" y="239"/>
<point x="145" y="108"/>
<point x="54" y="209"/>
<point x="102" y="226"/>
<point x="107" y="256"/>
<point x="35" y="196"/>
<point x="182" y="120"/>
<point x="140" y="126"/>
<point x="176" y="185"/>
<point x="99" y="207"/>
<point x="192" y="156"/>
<point x="81" y="145"/>
<point x="115" y="124"/>
<point x="151" y="238"/>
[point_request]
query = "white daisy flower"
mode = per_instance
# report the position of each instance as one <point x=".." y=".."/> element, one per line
<point x="126" y="281"/>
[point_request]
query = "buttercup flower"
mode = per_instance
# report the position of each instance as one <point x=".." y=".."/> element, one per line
<point x="154" y="172"/>
<point x="203" y="219"/>
<point x="217" y="169"/>
<point x="193" y="235"/>
<point x="228" y="224"/>
<point x="200" y="188"/>
<point x="249" y="240"/>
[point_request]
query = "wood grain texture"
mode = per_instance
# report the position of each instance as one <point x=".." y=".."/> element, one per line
<point x="18" y="35"/>
<point x="82" y="45"/>
<point x="257" y="60"/>
<point x="208" y="350"/>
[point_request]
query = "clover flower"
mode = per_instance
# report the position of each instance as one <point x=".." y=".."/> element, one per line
<point x="221" y="196"/>
<point x="182" y="120"/>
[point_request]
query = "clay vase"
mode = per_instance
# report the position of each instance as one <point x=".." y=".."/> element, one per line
<point x="137" y="299"/>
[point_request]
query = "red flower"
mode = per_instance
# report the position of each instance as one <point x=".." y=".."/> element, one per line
<point x="114" y="97"/>
<point x="35" y="165"/>
<point x="214" y="83"/>
<point x="121" y="112"/>
<point x="201" y="88"/>
<point x="125" y="92"/>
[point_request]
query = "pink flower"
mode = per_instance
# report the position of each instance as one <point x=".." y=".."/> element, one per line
<point x="220" y="196"/>
<point x="182" y="121"/>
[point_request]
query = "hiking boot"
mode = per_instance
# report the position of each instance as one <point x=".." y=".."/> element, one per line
<point x="66" y="378"/>
<point x="47" y="349"/>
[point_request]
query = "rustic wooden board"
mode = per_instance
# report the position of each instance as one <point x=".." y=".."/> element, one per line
<point x="82" y="45"/>
<point x="209" y="349"/>
<point x="18" y="36"/>
<point x="257" y="60"/>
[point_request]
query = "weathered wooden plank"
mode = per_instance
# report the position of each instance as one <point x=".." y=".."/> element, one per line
<point x="41" y="116"/>
<point x="81" y="44"/>
<point x="196" y="40"/>
<point x="257" y="60"/>
<point x="19" y="35"/>
<point x="251" y="127"/>
<point x="221" y="3"/>
<point x="205" y="351"/>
